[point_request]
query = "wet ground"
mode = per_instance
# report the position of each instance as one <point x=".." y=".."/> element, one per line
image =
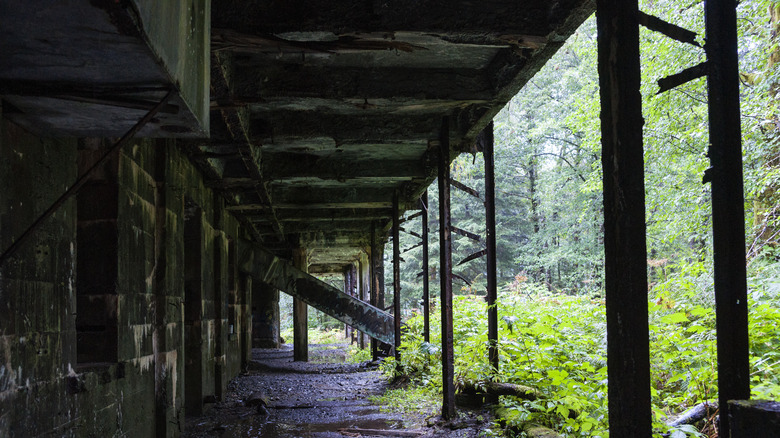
<point x="322" y="398"/>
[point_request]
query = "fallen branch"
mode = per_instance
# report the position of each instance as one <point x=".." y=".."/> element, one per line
<point x="499" y="388"/>
<point x="694" y="414"/>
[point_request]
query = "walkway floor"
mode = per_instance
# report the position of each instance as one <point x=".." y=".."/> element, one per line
<point x="320" y="399"/>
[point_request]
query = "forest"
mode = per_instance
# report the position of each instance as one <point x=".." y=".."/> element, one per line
<point x="552" y="334"/>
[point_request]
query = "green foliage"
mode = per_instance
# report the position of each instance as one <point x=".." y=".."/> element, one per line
<point x="550" y="236"/>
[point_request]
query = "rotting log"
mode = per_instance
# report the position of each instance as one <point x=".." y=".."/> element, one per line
<point x="476" y="391"/>
<point x="536" y="431"/>
<point x="263" y="266"/>
<point x="694" y="414"/>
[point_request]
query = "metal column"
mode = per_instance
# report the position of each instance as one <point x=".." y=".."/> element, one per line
<point x="426" y="277"/>
<point x="445" y="274"/>
<point x="396" y="277"/>
<point x="490" y="231"/>
<point x="625" y="251"/>
<point x="300" y="313"/>
<point x="728" y="215"/>
<point x="377" y="281"/>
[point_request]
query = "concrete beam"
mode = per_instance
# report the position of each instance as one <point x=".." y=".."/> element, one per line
<point x="264" y="266"/>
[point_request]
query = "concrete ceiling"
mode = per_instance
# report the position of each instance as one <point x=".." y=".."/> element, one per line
<point x="307" y="115"/>
<point x="339" y="104"/>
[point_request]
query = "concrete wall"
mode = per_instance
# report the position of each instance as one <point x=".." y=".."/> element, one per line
<point x="180" y="34"/>
<point x="46" y="386"/>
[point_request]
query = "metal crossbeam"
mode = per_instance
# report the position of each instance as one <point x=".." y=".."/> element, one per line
<point x="465" y="188"/>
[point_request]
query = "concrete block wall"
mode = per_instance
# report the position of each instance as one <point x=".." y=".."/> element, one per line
<point x="139" y="391"/>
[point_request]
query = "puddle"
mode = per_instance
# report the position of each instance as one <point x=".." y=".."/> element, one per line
<point x="261" y="427"/>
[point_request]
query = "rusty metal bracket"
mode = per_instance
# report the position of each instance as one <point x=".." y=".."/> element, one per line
<point x="476" y="255"/>
<point x="687" y="75"/>
<point x="671" y="30"/>
<point x="411" y="233"/>
<point x="463" y="187"/>
<point x="410" y="217"/>
<point x="464" y="233"/>
<point x="74" y="189"/>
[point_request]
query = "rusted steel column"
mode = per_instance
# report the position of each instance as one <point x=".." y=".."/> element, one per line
<point x="396" y="277"/>
<point x="426" y="277"/>
<point x="728" y="215"/>
<point x="625" y="251"/>
<point x="300" y="313"/>
<point x="445" y="274"/>
<point x="377" y="281"/>
<point x="490" y="230"/>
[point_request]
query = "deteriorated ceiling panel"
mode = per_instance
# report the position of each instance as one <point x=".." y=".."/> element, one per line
<point x="321" y="110"/>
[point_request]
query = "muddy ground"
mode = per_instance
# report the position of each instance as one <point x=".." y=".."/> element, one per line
<point x="324" y="397"/>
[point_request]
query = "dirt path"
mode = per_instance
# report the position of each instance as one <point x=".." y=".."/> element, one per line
<point x="321" y="398"/>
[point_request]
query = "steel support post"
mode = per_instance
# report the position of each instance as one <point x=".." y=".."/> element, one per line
<point x="445" y="274"/>
<point x="425" y="277"/>
<point x="625" y="251"/>
<point x="728" y="215"/>
<point x="490" y="230"/>
<point x="377" y="280"/>
<point x="300" y="313"/>
<point x="396" y="277"/>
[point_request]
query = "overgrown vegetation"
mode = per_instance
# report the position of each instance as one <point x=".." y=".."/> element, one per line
<point x="550" y="256"/>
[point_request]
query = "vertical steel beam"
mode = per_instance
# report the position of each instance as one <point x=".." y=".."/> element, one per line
<point x="625" y="251"/>
<point x="396" y="276"/>
<point x="728" y="215"/>
<point x="377" y="280"/>
<point x="490" y="230"/>
<point x="300" y="313"/>
<point x="445" y="274"/>
<point x="426" y="278"/>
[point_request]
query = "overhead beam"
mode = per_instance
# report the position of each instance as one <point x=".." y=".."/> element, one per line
<point x="350" y="16"/>
<point x="281" y="274"/>
<point x="290" y="166"/>
<point x="368" y="126"/>
<point x="266" y="80"/>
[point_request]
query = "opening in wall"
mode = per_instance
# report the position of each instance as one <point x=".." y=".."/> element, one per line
<point x="193" y="307"/>
<point x="97" y="258"/>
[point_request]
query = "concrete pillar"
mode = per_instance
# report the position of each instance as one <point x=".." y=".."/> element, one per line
<point x="265" y="316"/>
<point x="300" y="313"/>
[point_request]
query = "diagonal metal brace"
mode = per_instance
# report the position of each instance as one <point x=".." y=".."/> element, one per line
<point x="86" y="176"/>
<point x="460" y="186"/>
<point x="687" y="75"/>
<point x="464" y="233"/>
<point x="263" y="266"/>
<point x="671" y="30"/>
<point x="476" y="255"/>
<point x="410" y="217"/>
<point x="412" y="233"/>
<point x="416" y="245"/>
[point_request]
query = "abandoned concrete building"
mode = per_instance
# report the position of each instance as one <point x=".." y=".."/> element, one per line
<point x="168" y="167"/>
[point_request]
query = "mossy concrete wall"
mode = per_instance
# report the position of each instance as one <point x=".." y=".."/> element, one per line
<point x="44" y="390"/>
